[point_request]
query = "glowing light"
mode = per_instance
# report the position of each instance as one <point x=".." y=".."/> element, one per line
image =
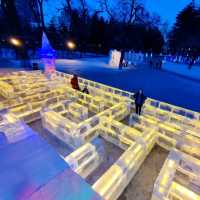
<point x="171" y="163"/>
<point x="71" y="45"/>
<point x="15" y="42"/>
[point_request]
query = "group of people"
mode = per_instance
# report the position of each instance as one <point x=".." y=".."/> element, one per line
<point x="139" y="97"/>
<point x="75" y="85"/>
<point x="183" y="59"/>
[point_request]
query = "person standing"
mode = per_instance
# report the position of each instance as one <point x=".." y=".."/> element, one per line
<point x="139" y="101"/>
<point x="74" y="83"/>
<point x="85" y="90"/>
<point x="151" y="63"/>
<point x="121" y="59"/>
<point x="160" y="66"/>
<point x="191" y="62"/>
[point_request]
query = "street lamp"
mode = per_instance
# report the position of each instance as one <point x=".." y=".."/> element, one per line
<point x="71" y="45"/>
<point x="16" y="42"/>
<point x="21" y="51"/>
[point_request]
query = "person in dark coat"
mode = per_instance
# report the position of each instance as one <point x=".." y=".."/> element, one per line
<point x="74" y="83"/>
<point x="85" y="90"/>
<point x="151" y="63"/>
<point x="160" y="67"/>
<point x="191" y="63"/>
<point x="139" y="101"/>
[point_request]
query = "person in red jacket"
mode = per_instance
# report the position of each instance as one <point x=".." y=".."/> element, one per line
<point x="74" y="83"/>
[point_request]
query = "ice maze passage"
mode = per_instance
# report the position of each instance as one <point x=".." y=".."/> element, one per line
<point x="83" y="120"/>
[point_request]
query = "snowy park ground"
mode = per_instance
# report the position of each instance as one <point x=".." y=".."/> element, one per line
<point x="182" y="69"/>
<point x="162" y="85"/>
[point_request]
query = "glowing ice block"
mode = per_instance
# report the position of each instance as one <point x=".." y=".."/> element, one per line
<point x="6" y="90"/>
<point x="84" y="160"/>
<point x="179" y="178"/>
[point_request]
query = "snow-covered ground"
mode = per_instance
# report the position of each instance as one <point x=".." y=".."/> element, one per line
<point x="182" y="69"/>
<point x="161" y="85"/>
<point x="84" y="63"/>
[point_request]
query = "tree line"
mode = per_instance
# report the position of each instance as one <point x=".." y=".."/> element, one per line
<point x="119" y="24"/>
<point x="184" y="37"/>
<point x="123" y="24"/>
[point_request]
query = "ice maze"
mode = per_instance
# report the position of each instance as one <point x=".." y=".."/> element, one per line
<point x="79" y="119"/>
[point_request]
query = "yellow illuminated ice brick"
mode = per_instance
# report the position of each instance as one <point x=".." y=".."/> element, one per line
<point x="183" y="192"/>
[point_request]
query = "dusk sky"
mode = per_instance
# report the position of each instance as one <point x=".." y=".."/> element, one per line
<point x="167" y="9"/>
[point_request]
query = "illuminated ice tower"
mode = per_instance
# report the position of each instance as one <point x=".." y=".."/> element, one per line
<point x="47" y="55"/>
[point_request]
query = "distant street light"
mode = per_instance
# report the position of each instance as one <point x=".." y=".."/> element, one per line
<point x="16" y="42"/>
<point x="21" y="51"/>
<point x="71" y="45"/>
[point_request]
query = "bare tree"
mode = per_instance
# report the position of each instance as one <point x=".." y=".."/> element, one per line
<point x="37" y="9"/>
<point x="127" y="11"/>
<point x="41" y="11"/>
<point x="69" y="7"/>
<point x="84" y="8"/>
<point x="34" y="7"/>
<point x="9" y="10"/>
<point x="105" y="6"/>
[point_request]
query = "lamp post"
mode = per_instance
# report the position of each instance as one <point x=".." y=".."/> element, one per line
<point x="71" y="46"/>
<point x="15" y="42"/>
<point x="22" y="51"/>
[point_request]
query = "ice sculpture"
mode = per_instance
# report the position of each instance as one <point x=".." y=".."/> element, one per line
<point x="134" y="58"/>
<point x="84" y="160"/>
<point x="47" y="54"/>
<point x="115" y="57"/>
